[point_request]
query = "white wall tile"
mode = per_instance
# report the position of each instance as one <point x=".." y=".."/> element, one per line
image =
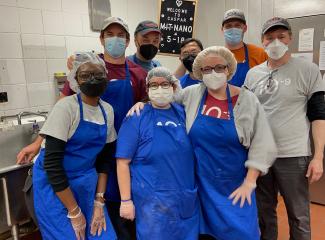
<point x="30" y="21"/>
<point x="119" y="9"/>
<point x="2" y="113"/>
<point x="52" y="5"/>
<point x="33" y="46"/>
<point x="11" y="112"/>
<point x="36" y="4"/>
<point x="40" y="94"/>
<point x="45" y="108"/>
<point x="53" y="23"/>
<point x="86" y="27"/>
<point x="55" y="46"/>
<point x="35" y="70"/>
<point x="10" y="45"/>
<point x="72" y="24"/>
<point x="12" y="71"/>
<point x="8" y="2"/>
<point x="9" y="19"/>
<point x="56" y="65"/>
<point x="79" y="6"/>
<point x="82" y="44"/>
<point x="17" y="96"/>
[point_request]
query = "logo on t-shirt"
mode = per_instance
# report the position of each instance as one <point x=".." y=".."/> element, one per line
<point x="167" y="123"/>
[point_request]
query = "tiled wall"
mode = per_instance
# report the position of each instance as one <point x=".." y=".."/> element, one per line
<point x="36" y="36"/>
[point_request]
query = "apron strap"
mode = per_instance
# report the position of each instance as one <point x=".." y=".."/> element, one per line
<point x="127" y="72"/>
<point x="103" y="112"/>
<point x="246" y="54"/>
<point x="80" y="107"/>
<point x="229" y="100"/>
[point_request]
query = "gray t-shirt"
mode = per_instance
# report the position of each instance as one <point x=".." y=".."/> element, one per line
<point x="64" y="118"/>
<point x="284" y="93"/>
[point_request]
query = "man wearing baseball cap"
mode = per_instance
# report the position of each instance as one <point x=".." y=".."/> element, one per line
<point x="147" y="39"/>
<point x="291" y="91"/>
<point x="247" y="55"/>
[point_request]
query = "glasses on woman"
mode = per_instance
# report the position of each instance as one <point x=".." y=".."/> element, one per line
<point x="219" y="68"/>
<point x="88" y="75"/>
<point x="164" y="85"/>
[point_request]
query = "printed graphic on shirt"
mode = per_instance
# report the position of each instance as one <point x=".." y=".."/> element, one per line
<point x="217" y="108"/>
<point x="167" y="123"/>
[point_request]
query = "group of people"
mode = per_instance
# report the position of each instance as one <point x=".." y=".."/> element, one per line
<point x="206" y="153"/>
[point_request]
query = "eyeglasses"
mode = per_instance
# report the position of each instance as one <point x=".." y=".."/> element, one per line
<point x="88" y="75"/>
<point x="270" y="79"/>
<point x="219" y="68"/>
<point x="164" y="85"/>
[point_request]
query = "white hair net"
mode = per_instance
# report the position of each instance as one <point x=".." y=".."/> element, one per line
<point x="220" y="51"/>
<point x="82" y="58"/>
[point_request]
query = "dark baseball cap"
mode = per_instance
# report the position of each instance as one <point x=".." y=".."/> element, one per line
<point x="234" y="14"/>
<point x="147" y="26"/>
<point x="275" y="22"/>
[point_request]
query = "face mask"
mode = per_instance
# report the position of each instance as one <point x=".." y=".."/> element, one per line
<point x="161" y="96"/>
<point x="188" y="62"/>
<point x="148" y="51"/>
<point x="115" y="46"/>
<point x="233" y="36"/>
<point x="93" y="87"/>
<point x="276" y="49"/>
<point x="214" y="80"/>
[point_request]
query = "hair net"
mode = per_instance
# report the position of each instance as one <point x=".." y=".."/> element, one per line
<point x="161" y="72"/>
<point x="82" y="58"/>
<point x="222" y="52"/>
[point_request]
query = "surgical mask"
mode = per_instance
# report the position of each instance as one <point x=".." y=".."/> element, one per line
<point x="276" y="49"/>
<point x="233" y="36"/>
<point x="148" y="51"/>
<point x="93" y="87"/>
<point x="161" y="96"/>
<point x="115" y="46"/>
<point x="188" y="62"/>
<point x="214" y="80"/>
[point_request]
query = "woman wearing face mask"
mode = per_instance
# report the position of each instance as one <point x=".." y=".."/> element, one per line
<point x="233" y="145"/>
<point x="70" y="174"/>
<point x="155" y="166"/>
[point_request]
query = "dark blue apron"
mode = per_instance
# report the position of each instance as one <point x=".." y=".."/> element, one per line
<point x="79" y="165"/>
<point x="220" y="170"/>
<point x="242" y="68"/>
<point x="163" y="186"/>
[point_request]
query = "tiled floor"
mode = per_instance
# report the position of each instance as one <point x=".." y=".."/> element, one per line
<point x="317" y="221"/>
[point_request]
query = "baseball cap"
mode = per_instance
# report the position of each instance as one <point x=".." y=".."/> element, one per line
<point x="110" y="20"/>
<point x="275" y="22"/>
<point x="147" y="26"/>
<point x="235" y="14"/>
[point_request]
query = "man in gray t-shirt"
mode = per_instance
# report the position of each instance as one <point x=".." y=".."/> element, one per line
<point x="291" y="91"/>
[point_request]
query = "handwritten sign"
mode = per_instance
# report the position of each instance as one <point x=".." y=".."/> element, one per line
<point x="176" y="22"/>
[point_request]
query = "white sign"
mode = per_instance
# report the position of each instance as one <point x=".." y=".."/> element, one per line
<point x="306" y="40"/>
<point x="307" y="56"/>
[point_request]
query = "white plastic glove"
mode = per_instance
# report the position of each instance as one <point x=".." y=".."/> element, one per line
<point x="127" y="210"/>
<point x="78" y="222"/>
<point x="243" y="192"/>
<point x="98" y="222"/>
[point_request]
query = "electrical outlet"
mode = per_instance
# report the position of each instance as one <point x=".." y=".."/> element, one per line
<point x="3" y="97"/>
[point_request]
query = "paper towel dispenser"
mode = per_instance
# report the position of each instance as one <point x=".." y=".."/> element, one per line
<point x="98" y="11"/>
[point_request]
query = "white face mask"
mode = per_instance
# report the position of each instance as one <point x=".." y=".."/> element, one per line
<point x="161" y="97"/>
<point x="214" y="80"/>
<point x="276" y="49"/>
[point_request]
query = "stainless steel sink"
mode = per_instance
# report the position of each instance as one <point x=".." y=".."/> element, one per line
<point x="13" y="209"/>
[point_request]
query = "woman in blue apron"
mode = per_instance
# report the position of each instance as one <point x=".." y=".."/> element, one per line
<point x="70" y="174"/>
<point x="233" y="145"/>
<point x="155" y="166"/>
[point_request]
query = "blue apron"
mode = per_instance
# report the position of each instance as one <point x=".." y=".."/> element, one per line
<point x="119" y="94"/>
<point x="220" y="170"/>
<point x="242" y="68"/>
<point x="79" y="164"/>
<point x="186" y="81"/>
<point x="163" y="186"/>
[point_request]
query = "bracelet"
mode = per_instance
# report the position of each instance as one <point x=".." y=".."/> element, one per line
<point x="75" y="216"/>
<point x="98" y="203"/>
<point x="74" y="208"/>
<point x="100" y="194"/>
<point x="128" y="200"/>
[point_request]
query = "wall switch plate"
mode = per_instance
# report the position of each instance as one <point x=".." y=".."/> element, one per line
<point x="3" y="97"/>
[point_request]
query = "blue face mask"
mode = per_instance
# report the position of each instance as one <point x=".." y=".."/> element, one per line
<point x="115" y="46"/>
<point x="233" y="36"/>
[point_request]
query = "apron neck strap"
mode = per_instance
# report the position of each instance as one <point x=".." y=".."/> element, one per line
<point x="127" y="71"/>
<point x="103" y="111"/>
<point x="80" y="107"/>
<point x="229" y="100"/>
<point x="246" y="54"/>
